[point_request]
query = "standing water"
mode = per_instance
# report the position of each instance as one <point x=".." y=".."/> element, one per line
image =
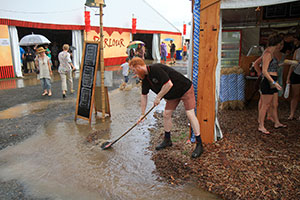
<point x="58" y="163"/>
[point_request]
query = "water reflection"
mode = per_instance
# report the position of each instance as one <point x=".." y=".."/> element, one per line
<point x="27" y="80"/>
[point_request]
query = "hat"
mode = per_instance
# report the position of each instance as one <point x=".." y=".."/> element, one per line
<point x="40" y="50"/>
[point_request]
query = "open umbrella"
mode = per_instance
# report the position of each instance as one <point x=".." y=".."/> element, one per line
<point x="168" y="39"/>
<point x="134" y="44"/>
<point x="33" y="39"/>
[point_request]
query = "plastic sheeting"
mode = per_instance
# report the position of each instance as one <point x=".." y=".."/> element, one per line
<point x="77" y="40"/>
<point x="15" y="50"/>
<point x="155" y="47"/>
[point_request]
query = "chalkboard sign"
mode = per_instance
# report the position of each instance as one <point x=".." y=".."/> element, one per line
<point x="87" y="80"/>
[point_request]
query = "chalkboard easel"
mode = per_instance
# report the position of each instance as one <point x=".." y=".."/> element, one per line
<point x="87" y="80"/>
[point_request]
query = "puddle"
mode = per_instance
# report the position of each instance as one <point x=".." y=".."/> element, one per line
<point x="28" y="108"/>
<point x="58" y="163"/>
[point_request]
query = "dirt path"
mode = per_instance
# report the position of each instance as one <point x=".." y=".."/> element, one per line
<point x="245" y="164"/>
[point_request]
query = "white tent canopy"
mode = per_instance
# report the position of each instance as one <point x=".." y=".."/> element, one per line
<point x="235" y="4"/>
<point x="117" y="13"/>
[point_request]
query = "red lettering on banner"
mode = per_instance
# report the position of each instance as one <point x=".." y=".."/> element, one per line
<point x="96" y="38"/>
<point x="113" y="42"/>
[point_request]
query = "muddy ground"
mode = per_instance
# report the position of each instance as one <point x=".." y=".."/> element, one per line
<point x="16" y="130"/>
<point x="245" y="164"/>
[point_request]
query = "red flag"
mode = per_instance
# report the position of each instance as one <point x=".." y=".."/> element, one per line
<point x="133" y="25"/>
<point x="184" y="29"/>
<point x="87" y="21"/>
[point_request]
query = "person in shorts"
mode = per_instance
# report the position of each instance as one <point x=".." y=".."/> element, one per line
<point x="294" y="79"/>
<point x="172" y="52"/>
<point x="269" y="86"/>
<point x="174" y="87"/>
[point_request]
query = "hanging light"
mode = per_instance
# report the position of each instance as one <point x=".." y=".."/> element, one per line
<point x="94" y="3"/>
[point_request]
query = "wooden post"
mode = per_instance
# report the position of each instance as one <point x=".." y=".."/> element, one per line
<point x="102" y="60"/>
<point x="208" y="59"/>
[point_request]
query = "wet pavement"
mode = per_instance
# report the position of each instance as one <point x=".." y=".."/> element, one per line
<point x="53" y="160"/>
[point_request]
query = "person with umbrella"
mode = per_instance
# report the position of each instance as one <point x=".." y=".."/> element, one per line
<point x="140" y="51"/>
<point x="29" y="57"/>
<point x="42" y="63"/>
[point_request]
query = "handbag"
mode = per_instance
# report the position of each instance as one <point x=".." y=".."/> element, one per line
<point x="287" y="91"/>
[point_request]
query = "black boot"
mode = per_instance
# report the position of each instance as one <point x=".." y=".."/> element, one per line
<point x="166" y="143"/>
<point x="198" y="150"/>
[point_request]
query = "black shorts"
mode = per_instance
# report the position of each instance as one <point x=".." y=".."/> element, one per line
<point x="184" y="53"/>
<point x="295" y="78"/>
<point x="265" y="86"/>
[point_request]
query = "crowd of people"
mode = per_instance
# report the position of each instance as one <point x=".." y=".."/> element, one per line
<point x="42" y="61"/>
<point x="270" y="68"/>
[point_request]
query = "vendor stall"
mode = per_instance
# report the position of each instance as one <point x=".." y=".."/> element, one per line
<point x="245" y="34"/>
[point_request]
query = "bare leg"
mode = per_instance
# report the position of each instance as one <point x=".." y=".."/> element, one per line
<point x="265" y="104"/>
<point x="194" y="121"/>
<point x="167" y="127"/>
<point x="294" y="100"/>
<point x="275" y="111"/>
<point x="168" y="120"/>
<point x="259" y="108"/>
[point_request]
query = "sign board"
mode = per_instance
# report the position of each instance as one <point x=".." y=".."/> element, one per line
<point x="87" y="80"/>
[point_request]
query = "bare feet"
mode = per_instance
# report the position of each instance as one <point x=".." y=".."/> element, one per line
<point x="45" y="93"/>
<point x="280" y="126"/>
<point x="50" y="94"/>
<point x="264" y="130"/>
<point x="291" y="118"/>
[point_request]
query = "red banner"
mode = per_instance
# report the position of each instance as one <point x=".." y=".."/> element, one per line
<point x="133" y="26"/>
<point x="87" y="20"/>
<point x="184" y="29"/>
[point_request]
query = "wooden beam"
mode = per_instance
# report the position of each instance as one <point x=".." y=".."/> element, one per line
<point x="208" y="59"/>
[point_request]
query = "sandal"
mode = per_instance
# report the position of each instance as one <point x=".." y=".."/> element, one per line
<point x="265" y="131"/>
<point x="280" y="126"/>
<point x="291" y="118"/>
<point x="45" y="93"/>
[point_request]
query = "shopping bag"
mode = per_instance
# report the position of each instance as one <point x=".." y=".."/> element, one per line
<point x="287" y="91"/>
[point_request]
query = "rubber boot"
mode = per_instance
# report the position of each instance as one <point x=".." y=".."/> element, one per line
<point x="165" y="143"/>
<point x="198" y="150"/>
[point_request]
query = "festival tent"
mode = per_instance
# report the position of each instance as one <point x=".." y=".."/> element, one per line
<point x="68" y="15"/>
<point x="205" y="70"/>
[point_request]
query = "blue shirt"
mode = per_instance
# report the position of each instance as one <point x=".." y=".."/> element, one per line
<point x="22" y="51"/>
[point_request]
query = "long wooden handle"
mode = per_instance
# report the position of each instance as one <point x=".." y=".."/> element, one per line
<point x="133" y="125"/>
